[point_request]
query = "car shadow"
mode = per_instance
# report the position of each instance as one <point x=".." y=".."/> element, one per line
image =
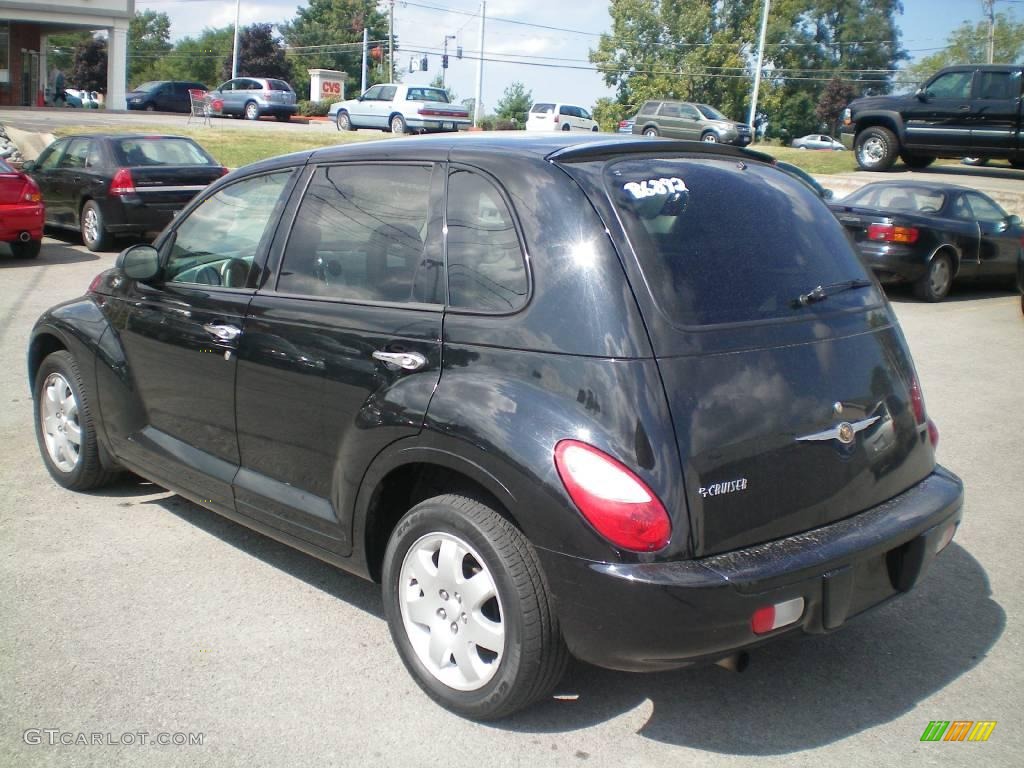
<point x="51" y="254"/>
<point x="904" y="294"/>
<point x="800" y="692"/>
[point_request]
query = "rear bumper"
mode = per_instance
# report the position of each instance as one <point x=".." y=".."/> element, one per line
<point x="278" y="109"/>
<point x="893" y="263"/>
<point x="131" y="215"/>
<point x="664" y="615"/>
<point x="15" y="219"/>
<point x="440" y="124"/>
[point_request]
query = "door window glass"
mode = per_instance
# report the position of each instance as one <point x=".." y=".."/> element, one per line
<point x="486" y="271"/>
<point x="952" y="85"/>
<point x="670" y="110"/>
<point x="217" y="242"/>
<point x="78" y="150"/>
<point x="961" y="210"/>
<point x="372" y="94"/>
<point x="387" y="93"/>
<point x="359" y="235"/>
<point x="985" y="210"/>
<point x="690" y="113"/>
<point x="51" y="156"/>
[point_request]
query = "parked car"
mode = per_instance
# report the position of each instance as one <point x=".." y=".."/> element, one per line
<point x="696" y="122"/>
<point x="818" y="141"/>
<point x="929" y="235"/>
<point x="105" y="185"/>
<point x="81" y="99"/>
<point x="968" y="110"/>
<point x="536" y="457"/>
<point x="163" y="96"/>
<point x="552" y="116"/>
<point x="21" y="213"/>
<point x="400" y="109"/>
<point x="253" y="98"/>
<point x="626" y="126"/>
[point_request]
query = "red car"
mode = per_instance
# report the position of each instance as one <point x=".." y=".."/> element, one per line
<point x="21" y="213"/>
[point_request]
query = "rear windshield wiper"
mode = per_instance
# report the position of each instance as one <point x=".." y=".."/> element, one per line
<point x="822" y="292"/>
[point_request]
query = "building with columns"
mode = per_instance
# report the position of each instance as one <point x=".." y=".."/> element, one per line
<point x="25" y="26"/>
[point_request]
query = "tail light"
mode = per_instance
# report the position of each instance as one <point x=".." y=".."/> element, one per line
<point x="95" y="284"/>
<point x="122" y="183"/>
<point x="224" y="171"/>
<point x="891" y="234"/>
<point x="556" y="119"/>
<point x="623" y="123"/>
<point x="920" y="414"/>
<point x="770" y="617"/>
<point x="612" y="498"/>
<point x="30" y="192"/>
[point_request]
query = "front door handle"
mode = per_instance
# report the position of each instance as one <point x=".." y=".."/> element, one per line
<point x="409" y="361"/>
<point x="222" y="332"/>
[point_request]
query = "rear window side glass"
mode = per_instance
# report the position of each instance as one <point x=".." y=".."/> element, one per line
<point x="486" y="270"/>
<point x="279" y="85"/>
<point x="359" y="235"/>
<point x="726" y="242"/>
<point x="649" y="108"/>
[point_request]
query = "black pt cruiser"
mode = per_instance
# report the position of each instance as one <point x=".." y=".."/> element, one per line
<point x="632" y="400"/>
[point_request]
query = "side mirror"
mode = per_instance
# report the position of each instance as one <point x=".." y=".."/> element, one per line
<point x="1013" y="220"/>
<point x="828" y="194"/>
<point x="28" y="166"/>
<point x="921" y="94"/>
<point x="139" y="262"/>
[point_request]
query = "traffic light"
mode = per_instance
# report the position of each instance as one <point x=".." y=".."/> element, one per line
<point x="458" y="52"/>
<point x="423" y="64"/>
<point x="444" y="61"/>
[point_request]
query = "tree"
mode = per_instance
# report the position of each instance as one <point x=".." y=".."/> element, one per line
<point x="328" y="34"/>
<point x="197" y="59"/>
<point x="259" y="55"/>
<point x="608" y="113"/>
<point x="90" y="68"/>
<point x="514" y="104"/>
<point x="61" y="49"/>
<point x="833" y="101"/>
<point x="149" y="35"/>
<point x="968" y="44"/>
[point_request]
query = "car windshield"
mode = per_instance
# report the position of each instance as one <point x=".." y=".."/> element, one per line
<point x="160" y="151"/>
<point x="724" y="242"/>
<point x="149" y="86"/>
<point x="427" y="94"/>
<point x="5" y="168"/>
<point x="710" y="112"/>
<point x="893" y="197"/>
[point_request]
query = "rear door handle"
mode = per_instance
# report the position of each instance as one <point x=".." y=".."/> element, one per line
<point x="222" y="332"/>
<point x="409" y="361"/>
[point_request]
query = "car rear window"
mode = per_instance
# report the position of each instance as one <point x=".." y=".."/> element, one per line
<point x="160" y="151"/>
<point x="427" y="94"/>
<point x="540" y="109"/>
<point x="721" y="241"/>
<point x="897" y="198"/>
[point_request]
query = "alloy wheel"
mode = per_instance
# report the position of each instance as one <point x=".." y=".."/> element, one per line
<point x="58" y="417"/>
<point x="451" y="611"/>
<point x="710" y="138"/>
<point x="90" y="225"/>
<point x="873" y="149"/>
<point x="939" y="277"/>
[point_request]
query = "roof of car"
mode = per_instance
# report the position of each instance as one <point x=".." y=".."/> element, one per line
<point x="125" y="136"/>
<point x="928" y="186"/>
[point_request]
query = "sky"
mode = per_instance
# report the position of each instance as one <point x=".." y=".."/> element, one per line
<point x="422" y="25"/>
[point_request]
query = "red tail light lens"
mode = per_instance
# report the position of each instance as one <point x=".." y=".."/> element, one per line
<point x="556" y="118"/>
<point x="612" y="498"/>
<point x="122" y="183"/>
<point x="917" y="401"/>
<point x="888" y="233"/>
<point x="225" y="171"/>
<point x="30" y="192"/>
<point x="933" y="434"/>
<point x="95" y="284"/>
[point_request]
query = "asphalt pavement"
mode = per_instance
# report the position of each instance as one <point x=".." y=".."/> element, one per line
<point x="131" y="611"/>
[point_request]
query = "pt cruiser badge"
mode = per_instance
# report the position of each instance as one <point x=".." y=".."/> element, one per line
<point x="843" y="432"/>
<point x="730" y="486"/>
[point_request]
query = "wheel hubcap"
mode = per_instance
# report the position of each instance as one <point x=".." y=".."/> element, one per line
<point x="396" y="126"/>
<point x="711" y="139"/>
<point x="451" y="611"/>
<point x="940" y="277"/>
<point x="650" y="133"/>
<point x="58" y="416"/>
<point x="250" y="111"/>
<point x="90" y="225"/>
<point x="873" y="149"/>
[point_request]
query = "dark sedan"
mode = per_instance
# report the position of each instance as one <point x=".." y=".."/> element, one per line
<point x="106" y="186"/>
<point x="163" y="95"/>
<point x="929" y="235"/>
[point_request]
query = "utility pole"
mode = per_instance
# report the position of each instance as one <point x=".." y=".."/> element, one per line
<point x="391" y="41"/>
<point x="990" y="11"/>
<point x="480" y="69"/>
<point x="366" y="44"/>
<point x="234" y="48"/>
<point x="760" y="64"/>
<point x="444" y="59"/>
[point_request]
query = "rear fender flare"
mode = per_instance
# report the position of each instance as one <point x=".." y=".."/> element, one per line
<point x="954" y="254"/>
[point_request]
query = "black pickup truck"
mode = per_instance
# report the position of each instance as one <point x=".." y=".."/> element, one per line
<point x="967" y="110"/>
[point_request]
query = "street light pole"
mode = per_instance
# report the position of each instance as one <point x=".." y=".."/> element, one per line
<point x="444" y="61"/>
<point x="234" y="47"/>
<point x="760" y="64"/>
<point x="480" y="69"/>
<point x="391" y="42"/>
<point x="990" y="11"/>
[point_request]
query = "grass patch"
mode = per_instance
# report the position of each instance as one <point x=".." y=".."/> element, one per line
<point x="235" y="147"/>
<point x="816" y="161"/>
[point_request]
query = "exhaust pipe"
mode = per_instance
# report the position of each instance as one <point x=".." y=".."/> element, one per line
<point x="735" y="663"/>
<point x="24" y="237"/>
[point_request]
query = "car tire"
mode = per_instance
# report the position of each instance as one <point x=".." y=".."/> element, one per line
<point x="150" y="107"/>
<point x="594" y="129"/>
<point x="398" y="126"/>
<point x="937" y="281"/>
<point x="429" y="555"/>
<point x="26" y="250"/>
<point x="709" y="138"/>
<point x="343" y="122"/>
<point x="251" y="110"/>
<point x="917" y="161"/>
<point x="62" y="412"/>
<point x="974" y="161"/>
<point x="94" y="235"/>
<point x="652" y="131"/>
<point x="876" y="148"/>
<point x="566" y="127"/>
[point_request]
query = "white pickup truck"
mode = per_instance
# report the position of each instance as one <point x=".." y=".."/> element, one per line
<point x="400" y="109"/>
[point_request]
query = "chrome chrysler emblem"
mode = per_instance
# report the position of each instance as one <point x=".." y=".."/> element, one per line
<point x="844" y="432"/>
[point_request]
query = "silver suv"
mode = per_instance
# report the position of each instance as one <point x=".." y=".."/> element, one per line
<point x="254" y="97"/>
<point x="696" y="122"/>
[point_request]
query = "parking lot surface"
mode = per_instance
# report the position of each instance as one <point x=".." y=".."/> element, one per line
<point x="134" y="611"/>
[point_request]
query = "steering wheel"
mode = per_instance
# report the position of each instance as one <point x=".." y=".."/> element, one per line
<point x="234" y="273"/>
<point x="208" y="275"/>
